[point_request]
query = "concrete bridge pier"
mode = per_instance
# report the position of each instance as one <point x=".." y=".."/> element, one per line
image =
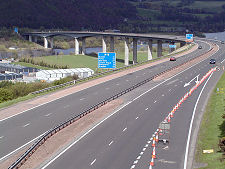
<point x="83" y="49"/>
<point x="126" y="59"/>
<point x="104" y="44"/>
<point x="159" y="48"/>
<point x="45" y="42"/>
<point x="35" y="39"/>
<point x="30" y="38"/>
<point x="112" y="44"/>
<point x="135" y="50"/>
<point x="182" y="44"/>
<point x="51" y="43"/>
<point x="76" y="46"/>
<point x="149" y="49"/>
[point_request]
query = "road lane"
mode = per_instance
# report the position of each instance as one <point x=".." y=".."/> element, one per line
<point x="129" y="145"/>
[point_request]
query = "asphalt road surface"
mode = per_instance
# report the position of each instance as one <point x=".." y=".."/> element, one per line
<point x="20" y="129"/>
<point x="120" y="140"/>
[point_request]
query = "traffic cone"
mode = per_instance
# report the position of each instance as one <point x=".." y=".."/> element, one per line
<point x="157" y="138"/>
<point x="153" y="153"/>
<point x="168" y="119"/>
<point x="160" y="132"/>
<point x="152" y="162"/>
<point x="171" y="115"/>
<point x="153" y="143"/>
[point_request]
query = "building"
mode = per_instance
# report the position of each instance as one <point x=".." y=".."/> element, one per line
<point x="16" y="68"/>
<point x="10" y="76"/>
<point x="51" y="75"/>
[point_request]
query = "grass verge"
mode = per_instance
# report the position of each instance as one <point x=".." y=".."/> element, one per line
<point x="212" y="129"/>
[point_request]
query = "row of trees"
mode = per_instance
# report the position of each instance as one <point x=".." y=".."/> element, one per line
<point x="42" y="63"/>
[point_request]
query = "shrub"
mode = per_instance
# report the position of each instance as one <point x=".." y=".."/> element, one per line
<point x="5" y="95"/>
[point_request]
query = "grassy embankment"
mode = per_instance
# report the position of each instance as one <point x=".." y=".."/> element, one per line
<point x="212" y="129"/>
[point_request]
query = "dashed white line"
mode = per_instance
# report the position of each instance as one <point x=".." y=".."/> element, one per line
<point x="143" y="149"/>
<point x="127" y="80"/>
<point x="110" y="143"/>
<point x="146" y="109"/>
<point x="117" y="84"/>
<point x="175" y="85"/>
<point x="26" y="125"/>
<point x="137" y="118"/>
<point x="48" y="114"/>
<point x="93" y="162"/>
<point x="135" y="162"/>
<point x="107" y="88"/>
<point x="141" y="153"/>
<point x="169" y="90"/>
<point x="1" y="137"/>
<point x="139" y="157"/>
<point x="124" y="129"/>
<point x="133" y="166"/>
<point x="146" y="145"/>
<point x="82" y="99"/>
<point x="163" y="95"/>
<point x="155" y="101"/>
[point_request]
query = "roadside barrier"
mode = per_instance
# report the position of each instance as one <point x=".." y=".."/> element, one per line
<point x="22" y="159"/>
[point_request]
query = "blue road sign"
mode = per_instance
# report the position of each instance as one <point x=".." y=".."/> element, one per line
<point x="172" y="46"/>
<point x="189" y="36"/>
<point x="16" y="30"/>
<point x="107" y="60"/>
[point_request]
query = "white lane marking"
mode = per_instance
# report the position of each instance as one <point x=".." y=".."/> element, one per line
<point x="124" y="129"/>
<point x="181" y="81"/>
<point x="149" y="142"/>
<point x="116" y="112"/>
<point x="127" y="80"/>
<point x="191" y="123"/>
<point x="67" y="106"/>
<point x="26" y="125"/>
<point x="139" y="157"/>
<point x="172" y="82"/>
<point x="110" y="143"/>
<point x="143" y="73"/>
<point x="48" y="114"/>
<point x="6" y="156"/>
<point x="223" y="60"/>
<point x="143" y="149"/>
<point x="146" y="109"/>
<point x="93" y="162"/>
<point x="133" y="166"/>
<point x="155" y="101"/>
<point x="175" y="85"/>
<point x="169" y="90"/>
<point x="82" y="99"/>
<point x="1" y="137"/>
<point x="163" y="95"/>
<point x="117" y="84"/>
<point x="137" y="118"/>
<point x="135" y="162"/>
<point x="146" y="145"/>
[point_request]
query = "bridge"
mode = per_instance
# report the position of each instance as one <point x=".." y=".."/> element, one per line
<point x="127" y="37"/>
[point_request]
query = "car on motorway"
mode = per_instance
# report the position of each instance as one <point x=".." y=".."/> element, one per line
<point x="222" y="42"/>
<point x="172" y="59"/>
<point x="200" y="47"/>
<point x="212" y="61"/>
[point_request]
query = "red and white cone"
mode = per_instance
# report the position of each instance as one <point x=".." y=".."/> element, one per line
<point x="157" y="138"/>
<point x="153" y="142"/>
<point x="153" y="153"/>
<point x="152" y="162"/>
<point x="168" y="119"/>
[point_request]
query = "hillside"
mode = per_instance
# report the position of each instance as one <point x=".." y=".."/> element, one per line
<point x="72" y="14"/>
<point x="126" y="15"/>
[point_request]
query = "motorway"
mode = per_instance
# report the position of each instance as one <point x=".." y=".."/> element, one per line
<point x="128" y="141"/>
<point x="119" y="141"/>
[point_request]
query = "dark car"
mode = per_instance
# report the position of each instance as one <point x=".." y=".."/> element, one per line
<point x="172" y="59"/>
<point x="200" y="47"/>
<point x="212" y="61"/>
<point x="222" y="42"/>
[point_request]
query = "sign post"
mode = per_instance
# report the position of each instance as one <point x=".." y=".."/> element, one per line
<point x="107" y="60"/>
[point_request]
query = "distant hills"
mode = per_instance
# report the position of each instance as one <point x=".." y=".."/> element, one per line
<point x="126" y="15"/>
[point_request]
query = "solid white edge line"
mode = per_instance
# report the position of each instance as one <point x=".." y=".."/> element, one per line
<point x="2" y="158"/>
<point x="191" y="123"/>
<point x="57" y="156"/>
